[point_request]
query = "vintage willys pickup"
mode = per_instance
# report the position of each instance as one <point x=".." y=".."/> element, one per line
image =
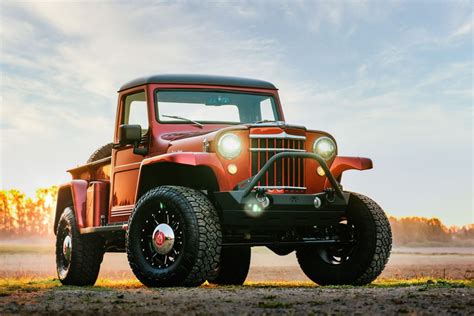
<point x="201" y="169"/>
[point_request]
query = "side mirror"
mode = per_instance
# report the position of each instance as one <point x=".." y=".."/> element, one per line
<point x="130" y="134"/>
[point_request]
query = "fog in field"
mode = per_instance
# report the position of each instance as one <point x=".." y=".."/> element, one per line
<point x="31" y="258"/>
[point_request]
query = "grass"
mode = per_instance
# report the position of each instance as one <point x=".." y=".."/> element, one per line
<point x="10" y="286"/>
<point x="379" y="283"/>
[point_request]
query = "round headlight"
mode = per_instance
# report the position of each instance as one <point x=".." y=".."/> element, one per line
<point x="229" y="146"/>
<point x="325" y="147"/>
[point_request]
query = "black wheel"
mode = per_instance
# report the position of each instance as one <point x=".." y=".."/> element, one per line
<point x="173" y="237"/>
<point x="233" y="266"/>
<point x="78" y="257"/>
<point x="358" y="263"/>
<point x="101" y="153"/>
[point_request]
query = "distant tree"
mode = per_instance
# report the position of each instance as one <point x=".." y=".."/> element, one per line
<point x="25" y="216"/>
<point x="33" y="216"/>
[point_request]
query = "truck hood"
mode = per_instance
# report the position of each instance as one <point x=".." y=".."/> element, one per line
<point x="186" y="134"/>
<point x="192" y="141"/>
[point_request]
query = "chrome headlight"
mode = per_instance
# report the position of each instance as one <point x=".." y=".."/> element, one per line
<point x="229" y="146"/>
<point x="325" y="147"/>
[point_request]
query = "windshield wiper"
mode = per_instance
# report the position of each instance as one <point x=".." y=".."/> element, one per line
<point x="184" y="119"/>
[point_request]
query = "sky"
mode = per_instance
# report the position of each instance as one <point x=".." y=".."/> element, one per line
<point x="392" y="81"/>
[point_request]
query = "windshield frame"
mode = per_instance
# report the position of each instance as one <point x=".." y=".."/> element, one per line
<point x="275" y="100"/>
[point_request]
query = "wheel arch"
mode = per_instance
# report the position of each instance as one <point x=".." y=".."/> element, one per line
<point x="199" y="177"/>
<point x="74" y="194"/>
<point x="201" y="171"/>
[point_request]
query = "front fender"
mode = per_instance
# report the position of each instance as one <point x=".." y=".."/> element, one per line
<point x="191" y="159"/>
<point x="73" y="193"/>
<point x="341" y="164"/>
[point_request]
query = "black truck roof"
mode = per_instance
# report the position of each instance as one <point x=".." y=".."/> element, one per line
<point x="199" y="79"/>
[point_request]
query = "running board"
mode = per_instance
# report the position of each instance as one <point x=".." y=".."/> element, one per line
<point x="288" y="243"/>
<point x="104" y="229"/>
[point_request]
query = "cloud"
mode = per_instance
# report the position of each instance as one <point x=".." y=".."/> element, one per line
<point x="386" y="87"/>
<point x="464" y="29"/>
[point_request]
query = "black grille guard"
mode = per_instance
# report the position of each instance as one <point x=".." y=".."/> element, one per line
<point x="252" y="182"/>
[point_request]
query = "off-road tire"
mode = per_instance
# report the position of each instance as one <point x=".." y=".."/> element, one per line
<point x="101" y="153"/>
<point x="233" y="266"/>
<point x="86" y="255"/>
<point x="201" y="242"/>
<point x="369" y="255"/>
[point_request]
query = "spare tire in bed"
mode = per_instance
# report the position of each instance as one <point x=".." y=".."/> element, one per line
<point x="101" y="153"/>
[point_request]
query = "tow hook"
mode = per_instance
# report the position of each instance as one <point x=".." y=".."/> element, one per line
<point x="262" y="197"/>
<point x="330" y="194"/>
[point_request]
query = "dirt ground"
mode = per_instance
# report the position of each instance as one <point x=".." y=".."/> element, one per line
<point x="292" y="294"/>
<point x="245" y="300"/>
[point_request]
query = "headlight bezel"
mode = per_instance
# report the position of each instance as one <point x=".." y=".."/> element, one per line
<point x="225" y="152"/>
<point x="332" y="143"/>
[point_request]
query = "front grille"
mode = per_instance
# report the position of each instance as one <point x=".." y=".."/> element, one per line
<point x="286" y="173"/>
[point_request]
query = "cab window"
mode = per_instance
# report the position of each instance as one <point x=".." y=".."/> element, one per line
<point x="135" y="110"/>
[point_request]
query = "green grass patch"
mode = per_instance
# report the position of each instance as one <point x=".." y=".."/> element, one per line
<point x="10" y="285"/>
<point x="379" y="283"/>
<point x="435" y="283"/>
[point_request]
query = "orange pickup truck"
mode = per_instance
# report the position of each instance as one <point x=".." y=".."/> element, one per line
<point x="202" y="168"/>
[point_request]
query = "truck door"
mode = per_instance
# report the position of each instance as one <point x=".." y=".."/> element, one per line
<point x="132" y="109"/>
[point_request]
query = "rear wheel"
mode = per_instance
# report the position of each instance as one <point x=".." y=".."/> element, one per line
<point x="78" y="257"/>
<point x="358" y="263"/>
<point x="233" y="266"/>
<point x="173" y="237"/>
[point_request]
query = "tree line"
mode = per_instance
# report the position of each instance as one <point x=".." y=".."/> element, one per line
<point x="24" y="216"/>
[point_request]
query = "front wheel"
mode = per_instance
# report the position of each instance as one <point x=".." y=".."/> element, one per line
<point x="358" y="263"/>
<point x="173" y="237"/>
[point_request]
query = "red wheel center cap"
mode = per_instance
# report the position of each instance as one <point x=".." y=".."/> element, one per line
<point x="159" y="239"/>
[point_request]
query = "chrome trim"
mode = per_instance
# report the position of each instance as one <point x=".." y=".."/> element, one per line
<point x="163" y="239"/>
<point x="275" y="187"/>
<point x="277" y="149"/>
<point x="282" y="135"/>
<point x="122" y="213"/>
<point x="67" y="248"/>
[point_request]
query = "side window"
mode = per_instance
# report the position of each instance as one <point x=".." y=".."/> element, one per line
<point x="135" y="110"/>
<point x="267" y="110"/>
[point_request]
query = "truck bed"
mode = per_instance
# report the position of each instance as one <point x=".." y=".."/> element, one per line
<point x="97" y="170"/>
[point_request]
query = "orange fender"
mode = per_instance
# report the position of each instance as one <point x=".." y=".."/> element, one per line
<point x="193" y="159"/>
<point x="73" y="194"/>
<point x="341" y="164"/>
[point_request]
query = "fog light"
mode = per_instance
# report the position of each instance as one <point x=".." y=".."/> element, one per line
<point x="232" y="168"/>
<point x="320" y="171"/>
<point x="317" y="202"/>
<point x="254" y="209"/>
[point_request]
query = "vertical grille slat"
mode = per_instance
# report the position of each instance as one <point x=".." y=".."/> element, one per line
<point x="287" y="173"/>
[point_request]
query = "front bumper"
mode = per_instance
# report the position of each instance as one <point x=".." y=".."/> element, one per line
<point x="285" y="210"/>
<point x="245" y="208"/>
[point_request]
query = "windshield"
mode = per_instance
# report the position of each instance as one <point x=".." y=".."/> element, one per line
<point x="179" y="106"/>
